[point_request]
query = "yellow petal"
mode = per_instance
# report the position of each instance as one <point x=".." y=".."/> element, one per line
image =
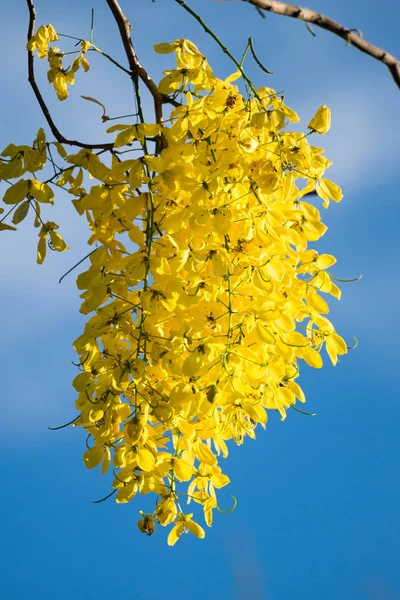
<point x="60" y="85"/>
<point x="175" y="534"/>
<point x="192" y="364"/>
<point x="41" y="251"/>
<point x="106" y="461"/>
<point x="205" y="455"/>
<point x="313" y="358"/>
<point x="16" y="192"/>
<point x="95" y="415"/>
<point x="171" y="82"/>
<point x="145" y="459"/>
<point x="326" y="189"/>
<point x="335" y="345"/>
<point x="208" y="508"/>
<point x="21" y="212"/>
<point x="60" y="149"/>
<point x="5" y="227"/>
<point x="93" y="456"/>
<point x="136" y="174"/>
<point x="255" y="412"/>
<point x="219" y="480"/>
<point x="126" y="493"/>
<point x="233" y="77"/>
<point x="315" y="301"/>
<point x="51" y="33"/>
<point x="296" y="389"/>
<point x="321" y="122"/>
<point x="182" y="470"/>
<point x="165" y="48"/>
<point x="125" y="137"/>
<point x="41" y="191"/>
<point x="324" y="261"/>
<point x="195" y="528"/>
<point x="57" y="242"/>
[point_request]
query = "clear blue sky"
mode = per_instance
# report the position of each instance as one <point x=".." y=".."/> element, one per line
<point x="318" y="498"/>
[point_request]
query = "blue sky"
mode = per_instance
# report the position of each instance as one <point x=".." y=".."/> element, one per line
<point x="317" y="514"/>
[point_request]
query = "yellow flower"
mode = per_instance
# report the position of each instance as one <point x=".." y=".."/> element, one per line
<point x="335" y="345"/>
<point x="57" y="243"/>
<point x="40" y="40"/>
<point x="146" y="525"/>
<point x="166" y="511"/>
<point x="184" y="524"/>
<point x="327" y="190"/>
<point x="321" y="122"/>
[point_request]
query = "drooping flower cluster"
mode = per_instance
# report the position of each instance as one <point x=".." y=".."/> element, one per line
<point x="204" y="296"/>
<point x="57" y="74"/>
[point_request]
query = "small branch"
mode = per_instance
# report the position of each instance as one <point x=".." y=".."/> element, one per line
<point x="111" y="59"/>
<point x="31" y="78"/>
<point x="254" y="55"/>
<point x="94" y="48"/>
<point x="137" y="70"/>
<point x="349" y="35"/>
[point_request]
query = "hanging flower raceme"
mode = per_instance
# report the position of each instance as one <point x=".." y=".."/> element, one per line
<point x="203" y="294"/>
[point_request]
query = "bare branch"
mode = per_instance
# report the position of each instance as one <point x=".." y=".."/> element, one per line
<point x="350" y="35"/>
<point x="135" y="66"/>
<point x="31" y="78"/>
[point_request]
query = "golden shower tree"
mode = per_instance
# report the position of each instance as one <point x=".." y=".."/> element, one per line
<point x="203" y="293"/>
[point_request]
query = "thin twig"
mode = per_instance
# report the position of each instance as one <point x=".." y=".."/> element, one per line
<point x="78" y="263"/>
<point x="111" y="59"/>
<point x="221" y="45"/>
<point x="105" y="497"/>
<point x="351" y="36"/>
<point x="258" y="61"/>
<point x="65" y="424"/>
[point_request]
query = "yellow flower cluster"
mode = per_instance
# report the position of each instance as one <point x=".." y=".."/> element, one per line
<point x="30" y="193"/>
<point x="205" y="295"/>
<point x="57" y="74"/>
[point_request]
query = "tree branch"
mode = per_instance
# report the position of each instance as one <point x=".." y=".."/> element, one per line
<point x="136" y="68"/>
<point x="310" y="16"/>
<point x="31" y="78"/>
